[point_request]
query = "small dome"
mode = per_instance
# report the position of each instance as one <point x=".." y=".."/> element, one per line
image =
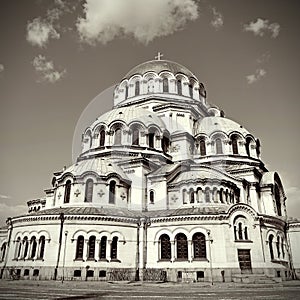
<point x="158" y="66"/>
<point x="209" y="125"/>
<point x="129" y="115"/>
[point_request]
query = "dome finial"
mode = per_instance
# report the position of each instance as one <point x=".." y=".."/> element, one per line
<point x="159" y="56"/>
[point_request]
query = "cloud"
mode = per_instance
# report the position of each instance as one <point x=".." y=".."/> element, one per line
<point x="40" y="31"/>
<point x="264" y="58"/>
<point x="259" y="74"/>
<point x="5" y="197"/>
<point x="1" y="68"/>
<point x="105" y="20"/>
<point x="11" y="211"/>
<point x="261" y="26"/>
<point x="218" y="21"/>
<point x="46" y="69"/>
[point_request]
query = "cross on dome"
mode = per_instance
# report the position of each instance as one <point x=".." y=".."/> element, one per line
<point x="159" y="56"/>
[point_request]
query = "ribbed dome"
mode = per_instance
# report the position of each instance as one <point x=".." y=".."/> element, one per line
<point x="158" y="66"/>
<point x="129" y="115"/>
<point x="210" y="125"/>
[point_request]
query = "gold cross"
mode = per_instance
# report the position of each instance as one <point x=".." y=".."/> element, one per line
<point x="159" y="56"/>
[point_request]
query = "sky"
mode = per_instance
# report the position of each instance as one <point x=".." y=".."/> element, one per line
<point x="57" y="56"/>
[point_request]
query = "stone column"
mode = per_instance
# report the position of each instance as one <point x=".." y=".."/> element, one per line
<point x="190" y="251"/>
<point x="108" y="250"/>
<point x="173" y="251"/>
<point x="97" y="250"/>
<point x="85" y="250"/>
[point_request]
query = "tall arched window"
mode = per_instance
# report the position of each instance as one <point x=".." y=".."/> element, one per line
<point x="277" y="200"/>
<point x="151" y="139"/>
<point x="79" y="247"/>
<point x="3" y="251"/>
<point x="278" y="246"/>
<point x="33" y="247"/>
<point x="179" y="87"/>
<point x="257" y="147"/>
<point x="271" y="237"/>
<point x="192" y="196"/>
<point x="219" y="149"/>
<point x="247" y="145"/>
<point x="199" y="245"/>
<point x="234" y="144"/>
<point x="202" y="148"/>
<point x="117" y="140"/>
<point x="126" y="91"/>
<point x="207" y="195"/>
<point x="102" y="138"/>
<point x="26" y="246"/>
<point x="18" y="248"/>
<point x="114" y="248"/>
<point x="165" y="85"/>
<point x="221" y="196"/>
<point x="89" y="190"/>
<point x="151" y="196"/>
<point x="112" y="192"/>
<point x="165" y="144"/>
<point x="181" y="246"/>
<point x="103" y="247"/>
<point x="282" y="248"/>
<point x="135" y="136"/>
<point x="165" y="247"/>
<point x="91" y="247"/>
<point x="191" y="90"/>
<point x="42" y="247"/>
<point x="67" y="191"/>
<point x="137" y="88"/>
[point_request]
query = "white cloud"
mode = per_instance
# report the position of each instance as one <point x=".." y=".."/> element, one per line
<point x="5" y="197"/>
<point x="261" y="26"/>
<point x="11" y="211"/>
<point x="264" y="58"/>
<point x="218" y="21"/>
<point x="46" y="69"/>
<point x="1" y="68"/>
<point x="259" y="74"/>
<point x="40" y="31"/>
<point x="104" y="20"/>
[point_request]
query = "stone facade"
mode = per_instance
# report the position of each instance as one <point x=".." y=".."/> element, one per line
<point x="166" y="188"/>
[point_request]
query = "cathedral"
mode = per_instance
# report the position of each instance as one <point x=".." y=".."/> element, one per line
<point x="166" y="188"/>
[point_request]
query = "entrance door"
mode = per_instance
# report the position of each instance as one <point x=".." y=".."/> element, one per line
<point x="245" y="260"/>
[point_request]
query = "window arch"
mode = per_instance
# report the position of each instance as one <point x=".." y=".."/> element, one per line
<point x="199" y="245"/>
<point x="89" y="186"/>
<point x="277" y="200"/>
<point x="67" y="191"/>
<point x="271" y="237"/>
<point x="181" y="246"/>
<point x="42" y="247"/>
<point x="126" y="91"/>
<point x="165" y="85"/>
<point x="165" y="247"/>
<point x="103" y="247"/>
<point x="247" y="145"/>
<point x="135" y="136"/>
<point x="234" y="144"/>
<point x="26" y="246"/>
<point x="202" y="147"/>
<point x="112" y="192"/>
<point x="192" y="196"/>
<point x="102" y="138"/>
<point x="79" y="247"/>
<point x="207" y="195"/>
<point x="151" y="196"/>
<point x="91" y="247"/>
<point x="117" y="139"/>
<point x="219" y="148"/>
<point x="179" y="87"/>
<point x="33" y="247"/>
<point x="114" y="248"/>
<point x="137" y="88"/>
<point x="240" y="228"/>
<point x="3" y="251"/>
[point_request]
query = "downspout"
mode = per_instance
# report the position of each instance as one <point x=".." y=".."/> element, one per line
<point x="10" y="228"/>
<point x="62" y="219"/>
<point x="147" y="223"/>
<point x="137" y="260"/>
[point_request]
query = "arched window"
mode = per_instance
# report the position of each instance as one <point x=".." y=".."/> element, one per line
<point x="151" y="139"/>
<point x="151" y="86"/>
<point x="202" y="148"/>
<point x="181" y="246"/>
<point x="42" y="247"/>
<point x="278" y="246"/>
<point x="282" y="248"/>
<point x="221" y="196"/>
<point x="135" y="136"/>
<point x="240" y="228"/>
<point x="277" y="200"/>
<point x="67" y="191"/>
<point x="271" y="237"/>
<point x="240" y="231"/>
<point x="112" y="192"/>
<point x="79" y="247"/>
<point x="165" y="247"/>
<point x="90" y="140"/>
<point x="89" y="190"/>
<point x="3" y="251"/>
<point x="26" y="246"/>
<point x="102" y="138"/>
<point x="257" y="147"/>
<point x="103" y="247"/>
<point x="114" y="248"/>
<point x="219" y="149"/>
<point x="117" y="140"/>
<point x="192" y="196"/>
<point x="165" y="85"/>
<point x="247" y="145"/>
<point x="234" y="144"/>
<point x="18" y="248"/>
<point x="199" y="245"/>
<point x="165" y="144"/>
<point x="126" y="91"/>
<point x="91" y="247"/>
<point x="33" y="247"/>
<point x="179" y="87"/>
<point x="137" y="88"/>
<point x="207" y="195"/>
<point x="151" y="196"/>
<point x="191" y="90"/>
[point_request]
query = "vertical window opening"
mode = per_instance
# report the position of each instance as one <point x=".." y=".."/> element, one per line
<point x="89" y="190"/>
<point x="112" y="192"/>
<point x="67" y="191"/>
<point x="114" y="248"/>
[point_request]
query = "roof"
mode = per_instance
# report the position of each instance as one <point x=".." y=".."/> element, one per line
<point x="209" y="125"/>
<point x="158" y="66"/>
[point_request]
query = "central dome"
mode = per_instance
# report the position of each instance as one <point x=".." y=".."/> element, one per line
<point x="158" y="66"/>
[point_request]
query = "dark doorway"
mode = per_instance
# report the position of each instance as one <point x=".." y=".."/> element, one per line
<point x="245" y="260"/>
<point x="179" y="276"/>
